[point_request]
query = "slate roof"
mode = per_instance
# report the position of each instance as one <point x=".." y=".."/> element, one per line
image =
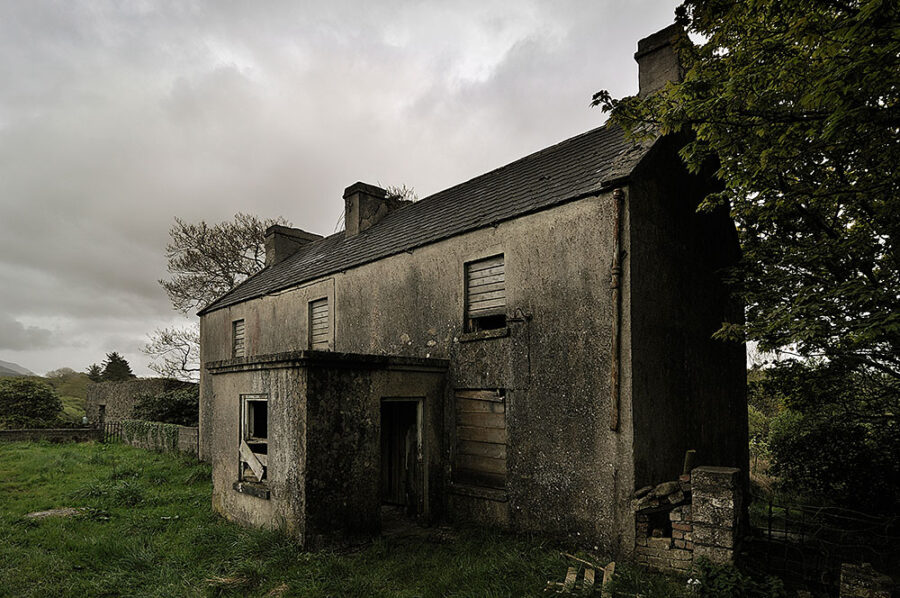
<point x="577" y="167"/>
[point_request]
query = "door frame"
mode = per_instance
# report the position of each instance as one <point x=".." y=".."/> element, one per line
<point x="421" y="446"/>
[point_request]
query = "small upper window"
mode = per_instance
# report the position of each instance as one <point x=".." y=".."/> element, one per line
<point x="237" y="338"/>
<point x="486" y="294"/>
<point x="318" y="324"/>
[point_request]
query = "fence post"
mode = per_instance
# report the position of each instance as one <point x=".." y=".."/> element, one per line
<point x="717" y="498"/>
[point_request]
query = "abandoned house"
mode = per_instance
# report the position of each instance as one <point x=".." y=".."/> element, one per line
<point x="522" y="350"/>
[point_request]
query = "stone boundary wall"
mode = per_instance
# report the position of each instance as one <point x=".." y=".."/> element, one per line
<point x="697" y="516"/>
<point x="51" y="435"/>
<point x="155" y="436"/>
<point x="119" y="398"/>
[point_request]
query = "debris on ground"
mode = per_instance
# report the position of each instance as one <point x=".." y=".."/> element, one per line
<point x="65" y="512"/>
<point x="581" y="578"/>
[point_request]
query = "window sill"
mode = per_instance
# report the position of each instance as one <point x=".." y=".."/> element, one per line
<point x="494" y="494"/>
<point x="483" y="335"/>
<point x="253" y="489"/>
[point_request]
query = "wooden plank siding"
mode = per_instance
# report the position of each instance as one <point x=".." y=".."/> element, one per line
<point x="486" y="287"/>
<point x="481" y="438"/>
<point x="238" y="346"/>
<point x="318" y="324"/>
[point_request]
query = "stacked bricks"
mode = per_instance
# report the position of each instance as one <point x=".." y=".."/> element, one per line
<point x="682" y="527"/>
<point x="666" y="548"/>
<point x="716" y="509"/>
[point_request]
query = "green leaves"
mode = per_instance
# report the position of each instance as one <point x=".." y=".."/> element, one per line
<point x="797" y="101"/>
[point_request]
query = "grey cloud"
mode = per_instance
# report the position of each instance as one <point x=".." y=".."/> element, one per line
<point x="16" y="337"/>
<point x="117" y="117"/>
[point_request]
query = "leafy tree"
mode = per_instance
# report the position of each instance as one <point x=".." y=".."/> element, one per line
<point x="116" y="368"/>
<point x="181" y="406"/>
<point x="28" y="403"/>
<point x="797" y="101"/>
<point x="95" y="372"/>
<point x="206" y="261"/>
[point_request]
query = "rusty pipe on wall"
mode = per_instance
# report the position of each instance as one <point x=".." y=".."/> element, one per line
<point x="615" y="275"/>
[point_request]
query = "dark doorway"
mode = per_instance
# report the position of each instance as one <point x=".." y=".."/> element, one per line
<point x="401" y="455"/>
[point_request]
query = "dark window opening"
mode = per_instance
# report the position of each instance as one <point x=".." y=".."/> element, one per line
<point x="487" y="323"/>
<point x="659" y="525"/>
<point x="258" y="419"/>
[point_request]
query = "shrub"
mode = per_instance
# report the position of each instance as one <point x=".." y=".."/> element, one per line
<point x="180" y="407"/>
<point x="834" y="461"/>
<point x="27" y="403"/>
<point x="726" y="581"/>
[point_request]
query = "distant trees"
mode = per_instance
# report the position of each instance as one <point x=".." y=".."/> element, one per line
<point x="95" y="373"/>
<point x="116" y="368"/>
<point x="28" y="403"/>
<point x="205" y="261"/>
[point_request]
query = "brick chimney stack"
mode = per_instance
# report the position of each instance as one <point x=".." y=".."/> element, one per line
<point x="283" y="241"/>
<point x="657" y="61"/>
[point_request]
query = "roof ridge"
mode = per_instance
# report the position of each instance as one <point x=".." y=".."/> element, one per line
<point x="566" y="170"/>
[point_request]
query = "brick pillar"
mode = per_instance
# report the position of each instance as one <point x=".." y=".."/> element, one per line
<point x="717" y="504"/>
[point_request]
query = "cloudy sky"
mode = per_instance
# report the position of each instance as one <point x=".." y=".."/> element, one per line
<point x="116" y="117"/>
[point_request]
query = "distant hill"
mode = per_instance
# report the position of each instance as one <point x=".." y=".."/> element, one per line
<point x="8" y="368"/>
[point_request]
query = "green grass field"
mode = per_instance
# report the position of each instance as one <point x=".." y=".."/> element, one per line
<point x="148" y="530"/>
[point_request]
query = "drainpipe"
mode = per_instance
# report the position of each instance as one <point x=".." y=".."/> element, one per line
<point x="615" y="273"/>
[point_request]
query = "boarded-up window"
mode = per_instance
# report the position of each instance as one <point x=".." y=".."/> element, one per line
<point x="237" y="338"/>
<point x="254" y="448"/>
<point x="486" y="294"/>
<point x="480" y="458"/>
<point x="318" y="324"/>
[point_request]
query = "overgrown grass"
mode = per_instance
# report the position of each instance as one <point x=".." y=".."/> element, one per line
<point x="148" y="530"/>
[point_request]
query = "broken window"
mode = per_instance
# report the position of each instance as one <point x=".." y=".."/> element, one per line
<point x="318" y="324"/>
<point x="486" y="294"/>
<point x="480" y="457"/>
<point x="237" y="338"/>
<point x="254" y="449"/>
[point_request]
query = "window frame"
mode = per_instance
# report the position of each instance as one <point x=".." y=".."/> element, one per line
<point x="235" y="351"/>
<point x="253" y="443"/>
<point x="321" y="345"/>
<point x="496" y="318"/>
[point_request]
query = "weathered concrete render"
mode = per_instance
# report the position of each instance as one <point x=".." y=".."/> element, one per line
<point x="324" y="459"/>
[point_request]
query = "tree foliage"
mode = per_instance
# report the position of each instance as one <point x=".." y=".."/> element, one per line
<point x="179" y="406"/>
<point x="95" y="373"/>
<point x="797" y="103"/>
<point x="116" y="368"/>
<point x="206" y="261"/>
<point x="28" y="403"/>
